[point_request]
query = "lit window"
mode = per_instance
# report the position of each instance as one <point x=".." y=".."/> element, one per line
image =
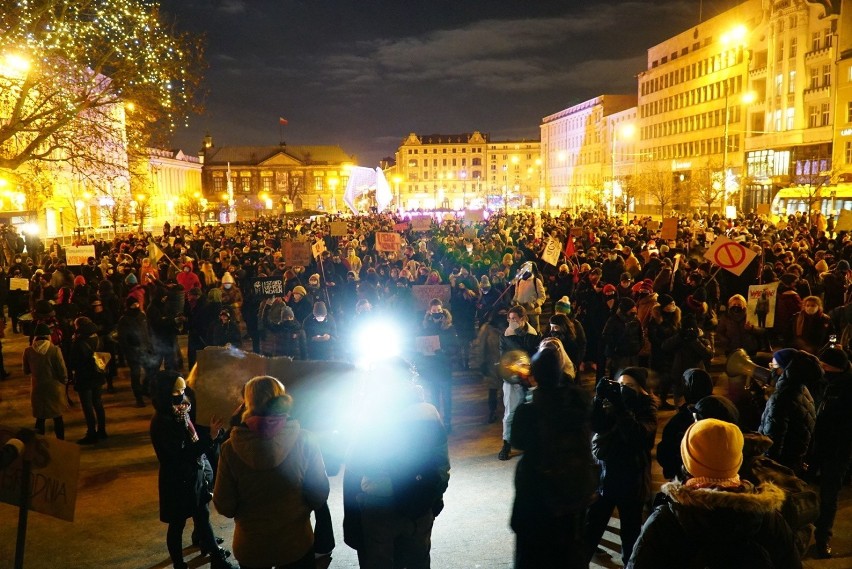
<point x="825" y="110"/>
<point x="791" y="116"/>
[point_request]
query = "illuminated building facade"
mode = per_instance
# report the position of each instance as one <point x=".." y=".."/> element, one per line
<point x="468" y="170"/>
<point x="577" y="150"/>
<point x="273" y="179"/>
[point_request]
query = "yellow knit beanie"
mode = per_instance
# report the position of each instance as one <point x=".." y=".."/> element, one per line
<point x="712" y="449"/>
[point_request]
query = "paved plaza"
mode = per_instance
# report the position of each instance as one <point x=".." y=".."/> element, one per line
<point x="117" y="524"/>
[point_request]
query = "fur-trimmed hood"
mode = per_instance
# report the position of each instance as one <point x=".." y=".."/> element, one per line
<point x="719" y="514"/>
<point x="761" y="499"/>
<point x="657" y="314"/>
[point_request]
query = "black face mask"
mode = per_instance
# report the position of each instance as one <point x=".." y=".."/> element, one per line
<point x="437" y="317"/>
<point x="177" y="399"/>
<point x="736" y="310"/>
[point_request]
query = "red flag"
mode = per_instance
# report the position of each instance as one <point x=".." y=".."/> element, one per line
<point x="569" y="247"/>
<point x="282" y="121"/>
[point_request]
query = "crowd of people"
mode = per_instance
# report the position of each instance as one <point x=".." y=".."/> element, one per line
<point x="641" y="315"/>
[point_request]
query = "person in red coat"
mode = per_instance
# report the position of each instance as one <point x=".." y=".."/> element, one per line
<point x="188" y="279"/>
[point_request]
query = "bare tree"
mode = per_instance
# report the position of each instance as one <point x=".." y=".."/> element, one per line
<point x="75" y="74"/>
<point x="707" y="185"/>
<point x="193" y="209"/>
<point x="659" y="185"/>
<point x="811" y="177"/>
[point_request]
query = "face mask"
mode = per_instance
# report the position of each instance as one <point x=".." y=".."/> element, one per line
<point x="737" y="309"/>
<point x="177" y="399"/>
<point x="628" y="395"/>
<point x="811" y="310"/>
<point x="526" y="275"/>
<point x="227" y="286"/>
<point x="437" y="316"/>
<point x="186" y="270"/>
<point x="670" y="308"/>
<point x="514" y="325"/>
<point x="485" y="289"/>
<point x="320" y="318"/>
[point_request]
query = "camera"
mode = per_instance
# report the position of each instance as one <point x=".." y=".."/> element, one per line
<point x="608" y="389"/>
<point x="832" y="340"/>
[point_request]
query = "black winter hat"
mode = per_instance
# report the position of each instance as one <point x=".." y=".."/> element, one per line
<point x="717" y="407"/>
<point x="626" y="304"/>
<point x="835" y="357"/>
<point x="640" y="374"/>
<point x="697" y="384"/>
<point x="665" y="300"/>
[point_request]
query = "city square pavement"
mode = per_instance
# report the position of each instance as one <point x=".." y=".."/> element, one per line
<point x="117" y="523"/>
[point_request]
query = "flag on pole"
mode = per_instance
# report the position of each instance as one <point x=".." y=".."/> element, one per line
<point x="569" y="247"/>
<point x="282" y="121"/>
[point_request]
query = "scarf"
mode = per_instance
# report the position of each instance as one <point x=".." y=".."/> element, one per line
<point x="182" y="415"/>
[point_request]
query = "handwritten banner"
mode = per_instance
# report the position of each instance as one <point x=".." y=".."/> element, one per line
<point x="267" y="286"/>
<point x="297" y="253"/>
<point x="388" y="241"/>
<point x="79" y="255"/>
<point x="423" y="294"/>
<point x="16" y="283"/>
<point x="421" y="223"/>
<point x="760" y="306"/>
<point x="54" y="476"/>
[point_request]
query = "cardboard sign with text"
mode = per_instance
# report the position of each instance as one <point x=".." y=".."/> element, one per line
<point x="552" y="251"/>
<point x="760" y="306"/>
<point x="297" y="253"/>
<point x="421" y="223"/>
<point x="78" y="255"/>
<point x="338" y="228"/>
<point x="265" y="287"/>
<point x="17" y="283"/>
<point x="669" y="229"/>
<point x="54" y="476"/>
<point x="474" y="215"/>
<point x="386" y="241"/>
<point x="317" y="248"/>
<point x="423" y="294"/>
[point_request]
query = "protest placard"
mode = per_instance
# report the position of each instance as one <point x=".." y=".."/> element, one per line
<point x="729" y="255"/>
<point x="79" y="254"/>
<point x="17" y="283"/>
<point x="552" y="251"/>
<point x="760" y="305"/>
<point x="317" y="248"/>
<point x="423" y="294"/>
<point x="669" y="230"/>
<point x="338" y="228"/>
<point x="421" y="223"/>
<point x="53" y="476"/>
<point x="386" y="241"/>
<point x="297" y="253"/>
<point x="264" y="287"/>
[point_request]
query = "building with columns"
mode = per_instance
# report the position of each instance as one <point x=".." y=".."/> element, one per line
<point x="270" y="180"/>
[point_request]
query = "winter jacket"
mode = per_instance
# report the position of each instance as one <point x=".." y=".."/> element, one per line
<point x="43" y="361"/>
<point x="82" y="363"/>
<point x="319" y="348"/>
<point x="789" y="418"/>
<point x="731" y="334"/>
<point x="833" y="430"/>
<point x="694" y="524"/>
<point x="269" y="485"/>
<point x="622" y="336"/>
<point x="556" y="475"/>
<point x="486" y="355"/>
<point x="687" y="352"/>
<point x="622" y="443"/>
<point x="661" y="327"/>
<point x="133" y="336"/>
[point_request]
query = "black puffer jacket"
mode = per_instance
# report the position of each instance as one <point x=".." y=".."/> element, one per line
<point x="694" y="525"/>
<point x="624" y="437"/>
<point x="790" y="416"/>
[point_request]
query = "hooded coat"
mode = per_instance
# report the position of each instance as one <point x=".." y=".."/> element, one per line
<point x="43" y="361"/>
<point x="694" y="523"/>
<point x="269" y="479"/>
<point x="790" y="415"/>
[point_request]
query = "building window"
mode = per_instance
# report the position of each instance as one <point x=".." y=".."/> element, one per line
<point x="849" y="111"/>
<point x="815" y="41"/>
<point x="813" y="116"/>
<point x="777" y="121"/>
<point x="266" y="183"/>
<point x="847" y="152"/>
<point x="814" y="74"/>
<point x="827" y="37"/>
<point x="245" y="184"/>
<point x="218" y="184"/>
<point x="791" y="82"/>
<point x="794" y="47"/>
<point x="791" y="116"/>
<point x="825" y="110"/>
<point x="779" y="55"/>
<point x="779" y="85"/>
<point x="826" y="75"/>
<point x="318" y="183"/>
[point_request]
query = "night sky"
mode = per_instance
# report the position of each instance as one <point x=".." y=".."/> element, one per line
<point x="364" y="73"/>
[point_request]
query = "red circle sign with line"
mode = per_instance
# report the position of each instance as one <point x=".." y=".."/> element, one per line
<point x="729" y="255"/>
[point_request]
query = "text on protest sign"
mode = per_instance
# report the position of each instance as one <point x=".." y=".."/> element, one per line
<point x="552" y="251"/>
<point x="53" y="477"/>
<point x="17" y="283"/>
<point x="297" y="253"/>
<point x="423" y="294"/>
<point x="386" y="241"/>
<point x="421" y="223"/>
<point x="79" y="255"/>
<point x="669" y="230"/>
<point x="267" y="286"/>
<point x="760" y="306"/>
<point x="338" y="228"/>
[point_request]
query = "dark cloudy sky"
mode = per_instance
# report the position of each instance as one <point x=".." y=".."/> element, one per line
<point x="365" y="73"/>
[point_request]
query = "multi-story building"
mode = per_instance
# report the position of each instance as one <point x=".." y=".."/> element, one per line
<point x="468" y="170"/>
<point x="252" y="180"/>
<point x="580" y="147"/>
